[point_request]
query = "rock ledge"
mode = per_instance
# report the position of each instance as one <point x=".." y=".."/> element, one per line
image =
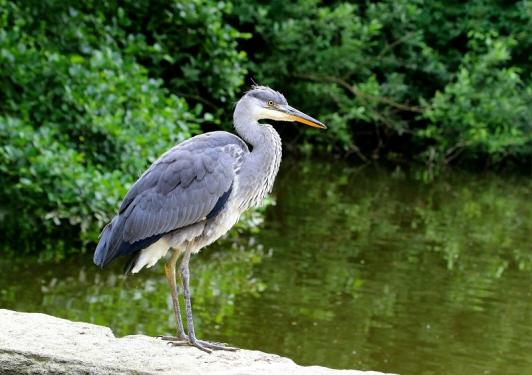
<point x="42" y="344"/>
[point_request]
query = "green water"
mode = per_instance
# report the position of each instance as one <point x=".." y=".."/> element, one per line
<point x="361" y="268"/>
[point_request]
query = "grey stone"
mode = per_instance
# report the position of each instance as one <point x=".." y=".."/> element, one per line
<point x="41" y="344"/>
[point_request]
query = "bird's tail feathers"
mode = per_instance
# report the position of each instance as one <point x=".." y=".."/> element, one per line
<point x="101" y="254"/>
<point x="131" y="262"/>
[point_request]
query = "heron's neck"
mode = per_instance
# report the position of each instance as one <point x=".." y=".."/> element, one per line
<point x="260" y="168"/>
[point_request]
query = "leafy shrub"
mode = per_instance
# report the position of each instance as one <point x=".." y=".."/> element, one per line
<point x="77" y="127"/>
<point x="350" y="64"/>
<point x="485" y="111"/>
<point x="92" y="91"/>
<point x="373" y="70"/>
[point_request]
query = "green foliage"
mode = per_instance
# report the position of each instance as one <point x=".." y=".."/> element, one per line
<point x="93" y="91"/>
<point x="80" y="121"/>
<point x="375" y="71"/>
<point x="485" y="111"/>
<point x="186" y="43"/>
<point x="88" y="99"/>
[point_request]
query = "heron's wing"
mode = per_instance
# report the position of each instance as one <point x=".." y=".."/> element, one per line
<point x="189" y="183"/>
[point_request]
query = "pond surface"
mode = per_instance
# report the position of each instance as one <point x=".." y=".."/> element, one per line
<point x="361" y="268"/>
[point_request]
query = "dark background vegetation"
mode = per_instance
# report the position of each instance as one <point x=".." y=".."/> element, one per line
<point x="91" y="92"/>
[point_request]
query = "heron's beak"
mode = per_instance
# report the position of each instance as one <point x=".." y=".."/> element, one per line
<point x="292" y="114"/>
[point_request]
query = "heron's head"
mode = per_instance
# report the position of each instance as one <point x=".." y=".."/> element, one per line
<point x="267" y="104"/>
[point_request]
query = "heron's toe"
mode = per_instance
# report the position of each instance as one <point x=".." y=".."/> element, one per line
<point x="198" y="344"/>
<point x="205" y="346"/>
<point x="217" y="346"/>
<point x="173" y="338"/>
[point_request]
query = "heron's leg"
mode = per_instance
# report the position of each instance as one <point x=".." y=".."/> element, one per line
<point x="185" y="278"/>
<point x="169" y="270"/>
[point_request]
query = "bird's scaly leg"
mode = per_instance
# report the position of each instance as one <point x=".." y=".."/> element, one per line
<point x="169" y="270"/>
<point x="192" y="340"/>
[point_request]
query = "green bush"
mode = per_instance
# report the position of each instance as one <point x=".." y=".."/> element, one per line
<point x="80" y="116"/>
<point x="387" y="75"/>
<point x="91" y="92"/>
<point x="486" y="110"/>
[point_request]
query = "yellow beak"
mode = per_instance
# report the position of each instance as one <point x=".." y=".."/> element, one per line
<point x="293" y="114"/>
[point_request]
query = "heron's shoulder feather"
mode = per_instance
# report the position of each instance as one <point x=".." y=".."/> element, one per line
<point x="209" y="140"/>
<point x="191" y="159"/>
<point x="187" y="184"/>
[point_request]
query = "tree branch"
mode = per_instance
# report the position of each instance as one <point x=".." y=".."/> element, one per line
<point x="391" y="46"/>
<point x="454" y="152"/>
<point x="198" y="98"/>
<point x="354" y="90"/>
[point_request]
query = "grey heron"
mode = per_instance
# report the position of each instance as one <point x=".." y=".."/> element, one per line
<point x="194" y="193"/>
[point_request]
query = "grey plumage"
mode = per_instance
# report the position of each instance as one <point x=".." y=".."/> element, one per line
<point x="181" y="188"/>
<point x="196" y="191"/>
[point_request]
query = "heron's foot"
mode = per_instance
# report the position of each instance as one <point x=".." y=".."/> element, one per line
<point x="216" y="345"/>
<point x="205" y="346"/>
<point x="183" y="338"/>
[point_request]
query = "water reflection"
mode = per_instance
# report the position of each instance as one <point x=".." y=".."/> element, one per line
<point x="366" y="269"/>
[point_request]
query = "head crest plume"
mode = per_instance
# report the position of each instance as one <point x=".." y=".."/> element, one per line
<point x="256" y="90"/>
<point x="255" y="86"/>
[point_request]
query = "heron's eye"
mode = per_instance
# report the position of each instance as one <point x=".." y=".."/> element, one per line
<point x="270" y="103"/>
